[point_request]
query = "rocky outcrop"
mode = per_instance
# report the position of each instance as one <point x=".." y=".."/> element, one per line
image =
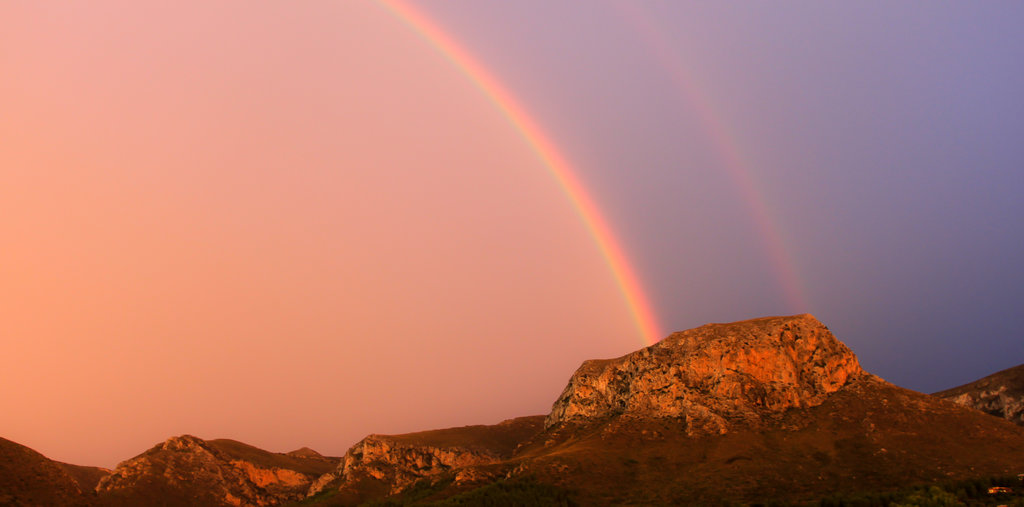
<point x="714" y="377"/>
<point x="1000" y="394"/>
<point x="187" y="470"/>
<point x="381" y="465"/>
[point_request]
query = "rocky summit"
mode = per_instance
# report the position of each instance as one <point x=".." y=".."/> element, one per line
<point x="187" y="470"/>
<point x="1000" y="394"/>
<point x="766" y="409"/>
<point x="714" y="377"/>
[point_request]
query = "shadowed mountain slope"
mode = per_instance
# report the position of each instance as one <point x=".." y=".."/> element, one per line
<point x="29" y="478"/>
<point x="1000" y="394"/>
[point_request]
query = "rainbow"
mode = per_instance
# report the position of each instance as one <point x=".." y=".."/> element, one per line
<point x="734" y="162"/>
<point x="629" y="284"/>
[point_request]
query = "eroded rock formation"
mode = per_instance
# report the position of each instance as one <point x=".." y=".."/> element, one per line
<point x="387" y="464"/>
<point x="715" y="376"/>
<point x="187" y="469"/>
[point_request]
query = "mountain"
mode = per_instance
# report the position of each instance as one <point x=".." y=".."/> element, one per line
<point x="187" y="470"/>
<point x="770" y="409"/>
<point x="1000" y="394"/>
<point x="29" y="478"/>
<point x="766" y="409"/>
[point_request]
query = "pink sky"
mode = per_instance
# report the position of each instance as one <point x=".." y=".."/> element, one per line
<point x="291" y="227"/>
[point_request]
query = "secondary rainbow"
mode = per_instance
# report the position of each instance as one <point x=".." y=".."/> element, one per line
<point x="559" y="167"/>
<point x="734" y="163"/>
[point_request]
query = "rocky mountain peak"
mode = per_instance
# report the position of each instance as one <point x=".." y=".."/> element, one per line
<point x="183" y="443"/>
<point x="714" y="376"/>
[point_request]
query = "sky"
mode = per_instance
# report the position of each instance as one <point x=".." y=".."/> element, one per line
<point x="296" y="225"/>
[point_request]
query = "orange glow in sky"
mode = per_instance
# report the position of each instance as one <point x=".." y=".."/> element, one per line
<point x="294" y="227"/>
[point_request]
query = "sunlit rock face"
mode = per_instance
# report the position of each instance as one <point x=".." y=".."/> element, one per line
<point x="399" y="464"/>
<point x="1000" y="394"/>
<point x="188" y="470"/>
<point x="388" y="464"/>
<point x="714" y="377"/>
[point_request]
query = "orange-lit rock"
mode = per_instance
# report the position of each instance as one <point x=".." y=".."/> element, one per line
<point x="715" y="376"/>
<point x="264" y="477"/>
<point x="187" y="470"/>
<point x="386" y="464"/>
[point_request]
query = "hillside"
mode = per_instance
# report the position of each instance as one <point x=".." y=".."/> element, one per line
<point x="187" y="470"/>
<point x="1000" y="394"/>
<point x="383" y="465"/>
<point x="29" y="478"/>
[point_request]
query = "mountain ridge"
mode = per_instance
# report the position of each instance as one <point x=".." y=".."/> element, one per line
<point x="769" y="408"/>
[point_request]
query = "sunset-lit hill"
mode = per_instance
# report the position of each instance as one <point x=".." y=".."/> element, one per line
<point x="1000" y="394"/>
<point x="770" y="409"/>
<point x="382" y="465"/>
<point x="869" y="436"/>
<point x="766" y="409"/>
<point x="187" y="470"/>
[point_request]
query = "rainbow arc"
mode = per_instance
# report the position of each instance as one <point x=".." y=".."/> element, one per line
<point x="563" y="172"/>
<point x="734" y="162"/>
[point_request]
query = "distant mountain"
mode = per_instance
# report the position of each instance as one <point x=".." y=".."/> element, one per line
<point x="187" y="470"/>
<point x="29" y="478"/>
<point x="1000" y="394"/>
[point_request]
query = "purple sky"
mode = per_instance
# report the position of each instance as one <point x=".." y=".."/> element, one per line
<point x="885" y="138"/>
